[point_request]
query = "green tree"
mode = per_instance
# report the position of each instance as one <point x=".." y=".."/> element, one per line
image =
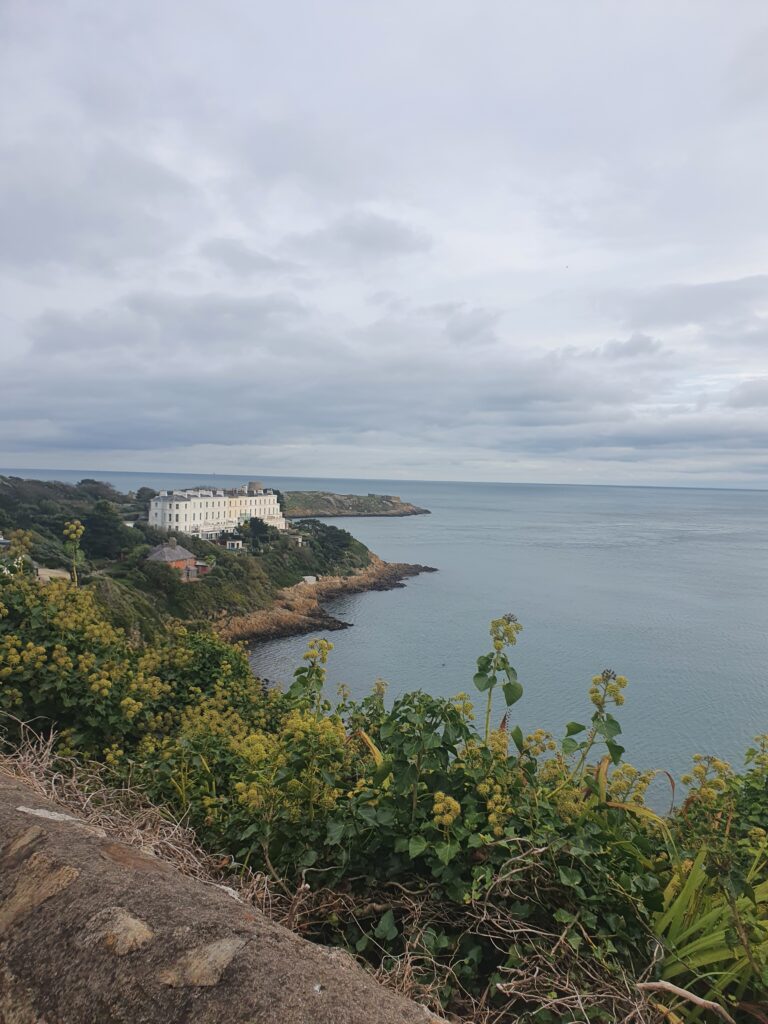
<point x="106" y="535"/>
<point x="145" y="494"/>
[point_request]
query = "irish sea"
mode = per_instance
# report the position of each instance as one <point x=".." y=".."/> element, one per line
<point x="667" y="586"/>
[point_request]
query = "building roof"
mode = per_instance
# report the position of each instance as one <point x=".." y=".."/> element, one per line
<point x="170" y="553"/>
<point x="252" y="489"/>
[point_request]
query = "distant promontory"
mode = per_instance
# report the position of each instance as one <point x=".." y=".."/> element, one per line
<point x="325" y="505"/>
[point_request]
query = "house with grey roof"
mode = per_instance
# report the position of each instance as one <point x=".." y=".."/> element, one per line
<point x="177" y="557"/>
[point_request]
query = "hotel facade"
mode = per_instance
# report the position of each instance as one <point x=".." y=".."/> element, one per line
<point x="209" y="513"/>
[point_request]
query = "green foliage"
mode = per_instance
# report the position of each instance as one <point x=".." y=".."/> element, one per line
<point x="45" y="507"/>
<point x="304" y="504"/>
<point x="144" y="495"/>
<point x="326" y="551"/>
<point x="714" y="931"/>
<point x="82" y="528"/>
<point x="510" y="869"/>
<point x="106" y="536"/>
<point x="490" y="667"/>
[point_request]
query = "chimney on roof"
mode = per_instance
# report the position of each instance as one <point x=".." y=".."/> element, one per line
<point x="255" y="485"/>
<point x="172" y="542"/>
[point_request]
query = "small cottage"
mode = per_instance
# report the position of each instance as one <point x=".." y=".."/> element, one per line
<point x="177" y="557"/>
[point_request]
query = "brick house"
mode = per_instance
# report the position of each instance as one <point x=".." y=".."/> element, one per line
<point x="177" y="557"/>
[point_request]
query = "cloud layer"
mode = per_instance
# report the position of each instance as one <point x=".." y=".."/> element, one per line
<point x="517" y="242"/>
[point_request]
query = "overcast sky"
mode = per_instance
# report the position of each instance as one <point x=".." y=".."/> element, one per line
<point x="476" y="240"/>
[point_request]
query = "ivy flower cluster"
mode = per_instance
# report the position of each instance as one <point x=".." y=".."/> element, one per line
<point x="73" y="531"/>
<point x="445" y="810"/>
<point x="497" y="805"/>
<point x="708" y="778"/>
<point x="505" y="631"/>
<point x="607" y="688"/>
<point x="539" y="742"/>
<point x="629" y="785"/>
<point x="464" y="706"/>
<point x="317" y="651"/>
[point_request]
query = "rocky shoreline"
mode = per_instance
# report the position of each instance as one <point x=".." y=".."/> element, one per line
<point x="299" y="609"/>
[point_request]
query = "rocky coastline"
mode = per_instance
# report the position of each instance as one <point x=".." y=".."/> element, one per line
<point x="299" y="609"/>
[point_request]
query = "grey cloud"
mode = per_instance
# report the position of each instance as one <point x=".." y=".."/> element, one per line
<point x="634" y="346"/>
<point x="234" y="255"/>
<point x="65" y="202"/>
<point x="160" y="325"/>
<point x="474" y="326"/>
<point x="359" y="235"/>
<point x="410" y="239"/>
<point x="683" y="304"/>
<point x="750" y="394"/>
<point x="186" y="370"/>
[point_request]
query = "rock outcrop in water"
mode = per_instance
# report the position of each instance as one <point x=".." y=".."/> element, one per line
<point x="326" y="505"/>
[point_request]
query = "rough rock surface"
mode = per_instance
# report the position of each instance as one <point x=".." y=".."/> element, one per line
<point x="96" y="932"/>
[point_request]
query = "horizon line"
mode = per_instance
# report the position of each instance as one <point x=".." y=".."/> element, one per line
<point x="10" y="470"/>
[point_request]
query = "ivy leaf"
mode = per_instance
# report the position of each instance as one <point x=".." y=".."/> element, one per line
<point x="564" y="916"/>
<point x="608" y="728"/>
<point x="417" y="845"/>
<point x="574" y="727"/>
<point x="431" y="740"/>
<point x="335" y="831"/>
<point x="385" y="815"/>
<point x="615" y="750"/>
<point x="513" y="691"/>
<point x="517" y="737"/>
<point x="569" y="745"/>
<point x="569" y="876"/>
<point x="446" y="851"/>
<point x="386" y="928"/>
<point x="368" y="814"/>
<point x="482" y="681"/>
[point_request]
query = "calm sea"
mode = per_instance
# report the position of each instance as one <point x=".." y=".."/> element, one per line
<point x="667" y="586"/>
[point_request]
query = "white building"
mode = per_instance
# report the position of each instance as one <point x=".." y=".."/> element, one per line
<point x="209" y="513"/>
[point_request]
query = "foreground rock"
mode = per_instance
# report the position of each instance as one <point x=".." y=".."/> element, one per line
<point x="299" y="609"/>
<point x="95" y="932"/>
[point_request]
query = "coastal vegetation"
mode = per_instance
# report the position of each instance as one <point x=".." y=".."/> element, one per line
<point x="494" y="875"/>
<point x="325" y="505"/>
<point x="83" y="528"/>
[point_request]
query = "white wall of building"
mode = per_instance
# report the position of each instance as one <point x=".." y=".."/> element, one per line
<point x="207" y="514"/>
